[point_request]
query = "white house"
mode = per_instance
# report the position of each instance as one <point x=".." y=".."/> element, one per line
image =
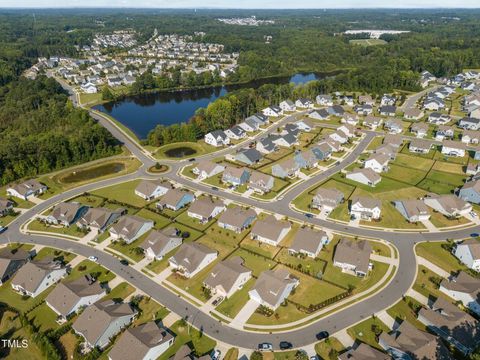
<point x="206" y="168"/>
<point x="270" y="230"/>
<point x="217" y="138"/>
<point x="365" y="208"/>
<point x="273" y="111"/>
<point x="227" y="277"/>
<point x="453" y="148"/>
<point x="191" y="258"/>
<point x="377" y="162"/>
<point x="468" y="252"/>
<point x="364" y="176"/>
<point x="287" y="105"/>
<point x="89" y="88"/>
<point x="151" y="189"/>
<point x="273" y="287"/>
<point x="449" y="205"/>
<point x="205" y="209"/>
<point x="463" y="288"/>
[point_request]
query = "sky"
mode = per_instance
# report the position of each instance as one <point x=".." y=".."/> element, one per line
<point x="240" y="4"/>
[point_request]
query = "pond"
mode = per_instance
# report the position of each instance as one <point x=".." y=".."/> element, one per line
<point x="180" y="152"/>
<point x="142" y="113"/>
<point x="94" y="172"/>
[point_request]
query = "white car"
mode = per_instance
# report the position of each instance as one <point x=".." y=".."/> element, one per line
<point x="473" y="214"/>
<point x="215" y="355"/>
<point x="93" y="258"/>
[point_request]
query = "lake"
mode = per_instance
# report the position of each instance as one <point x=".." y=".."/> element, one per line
<point x="141" y="113"/>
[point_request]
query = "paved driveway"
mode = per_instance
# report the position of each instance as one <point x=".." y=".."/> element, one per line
<point x="244" y="314"/>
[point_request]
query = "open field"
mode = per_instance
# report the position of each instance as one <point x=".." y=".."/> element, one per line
<point x="367" y="42"/>
<point x="438" y="255"/>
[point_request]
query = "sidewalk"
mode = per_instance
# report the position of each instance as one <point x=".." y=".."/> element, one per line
<point x="430" y="227"/>
<point x="244" y="314"/>
<point x="436" y="269"/>
<point x="386" y="319"/>
<point x="417" y="296"/>
<point x="344" y="338"/>
<point x="384" y="259"/>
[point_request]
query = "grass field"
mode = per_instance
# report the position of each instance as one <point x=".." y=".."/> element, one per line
<point x="123" y="193"/>
<point x="367" y="42"/>
<point x="120" y="292"/>
<point x="73" y="230"/>
<point x="426" y="283"/>
<point x="254" y="262"/>
<point x="329" y="348"/>
<point x="436" y="254"/>
<point x="63" y="256"/>
<point x="231" y="306"/>
<point x="401" y="311"/>
<point x="364" y="331"/>
<point x="89" y="267"/>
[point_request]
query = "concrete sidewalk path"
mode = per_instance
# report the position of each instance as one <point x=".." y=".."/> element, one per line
<point x="431" y="266"/>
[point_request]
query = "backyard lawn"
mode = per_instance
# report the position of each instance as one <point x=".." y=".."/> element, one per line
<point x="120" y="292"/>
<point x="123" y="193"/>
<point x="364" y="331"/>
<point x="63" y="256"/>
<point x="89" y="267"/>
<point x="427" y="283"/>
<point x="132" y="250"/>
<point x="254" y="262"/>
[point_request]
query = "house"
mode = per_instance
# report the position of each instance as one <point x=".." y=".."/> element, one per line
<point x="468" y="252"/>
<point x="287" y="140"/>
<point x="365" y="208"/>
<point x="144" y="342"/>
<point x="393" y="140"/>
<point x="10" y="261"/>
<point x="413" y="210"/>
<point x="444" y="132"/>
<point x="335" y="146"/>
<point x="251" y="124"/>
<point x="227" y="277"/>
<point x="175" y="199"/>
<point x="433" y="104"/>
<point x="387" y="110"/>
<point x="474" y="113"/>
<point x="273" y="287"/>
<point x="336" y="110"/>
<point x="287" y="105"/>
<point x="26" y="189"/>
<point x="419" y="129"/>
<point x="36" y="276"/>
<point x="393" y="126"/>
<point x="69" y="297"/>
<point x="288" y="168"/>
<point x="347" y="129"/>
<point x="191" y="258"/>
<point x="205" y="209"/>
<point x="372" y="122"/>
<point x="159" y="243"/>
<point x="452" y="324"/>
<point x="347" y="100"/>
<point x="349" y="119"/>
<point x="322" y="151"/>
<point x="304" y="125"/>
<point x="470" y="191"/>
<point x="413" y="114"/>
<point x="270" y="230"/>
<point x="217" y="138"/>
<point x="339" y="136"/>
<point x="101" y="321"/>
<point x="464" y="288"/>
<point x="324" y="100"/>
<point x="320" y="114"/>
<point x="453" y="148"/>
<point x="248" y="156"/>
<point x="387" y="149"/>
<point x="387" y="100"/>
<point x="206" y="169"/>
<point x="66" y="214"/>
<point x="306" y="159"/>
<point x="363" y="109"/>
<point x="235" y="176"/>
<point x="237" y="219"/>
<point x="470" y="137"/>
<point x="469" y="123"/>
<point x="449" y="205"/>
<point x="6" y="206"/>
<point x="129" y="228"/>
<point x="420" y="146"/>
<point x="308" y="242"/>
<point x="266" y="145"/>
<point x="353" y="256"/>
<point x="99" y="219"/>
<point x="88" y="88"/>
<point x="438" y="118"/>
<point x="304" y="103"/>
<point x="472" y="169"/>
<point x="377" y="162"/>
<point x="327" y="199"/>
<point x="364" y="176"/>
<point x="272" y="111"/>
<point x="261" y="183"/>
<point x="409" y="343"/>
<point x="366" y="100"/>
<point x="363" y="352"/>
<point x="235" y="132"/>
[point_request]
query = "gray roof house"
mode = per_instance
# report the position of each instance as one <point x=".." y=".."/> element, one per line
<point x="237" y="219"/>
<point x="99" y="218"/>
<point x="152" y="189"/>
<point x="363" y="352"/>
<point x="464" y="288"/>
<point x="69" y="297"/>
<point x="266" y="145"/>
<point x="144" y="342"/>
<point x="66" y="213"/>
<point x="206" y="168"/>
<point x="353" y="256"/>
<point x="470" y="191"/>
<point x="448" y="205"/>
<point x="235" y="176"/>
<point x="205" y="209"/>
<point x="129" y="228"/>
<point x="248" y="156"/>
<point x="227" y="277"/>
<point x="273" y="287"/>
<point x="101" y="321"/>
<point x="270" y="230"/>
<point x="260" y="182"/>
<point x="287" y="168"/>
<point x="5" y="206"/>
<point x="175" y="199"/>
<point x="160" y="243"/>
<point x="191" y="258"/>
<point x="327" y="199"/>
<point x="413" y="210"/>
<point x="468" y="252"/>
<point x="308" y="242"/>
<point x="364" y="176"/>
<point x="420" y="146"/>
<point x="10" y="261"/>
<point x="26" y="189"/>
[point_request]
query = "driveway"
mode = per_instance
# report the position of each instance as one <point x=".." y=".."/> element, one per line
<point x="244" y="314"/>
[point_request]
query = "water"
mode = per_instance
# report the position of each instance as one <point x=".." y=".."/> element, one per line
<point x="180" y="152"/>
<point x="141" y="113"/>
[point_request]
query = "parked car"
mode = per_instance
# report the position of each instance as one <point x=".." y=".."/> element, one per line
<point x="473" y="214"/>
<point x="124" y="262"/>
<point x="3" y="229"/>
<point x="265" y="347"/>
<point x="308" y="215"/>
<point x="215" y="355"/>
<point x="285" y="345"/>
<point x="214" y="188"/>
<point x="93" y="258"/>
<point x="474" y="235"/>
<point x="192" y="159"/>
<point x="217" y="301"/>
<point x="322" y="335"/>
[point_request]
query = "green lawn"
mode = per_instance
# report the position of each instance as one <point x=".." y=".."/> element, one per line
<point x="364" y="331"/>
<point x="254" y="262"/>
<point x="19" y="302"/>
<point x="44" y="318"/>
<point x="73" y="230"/>
<point x="89" y="267"/>
<point x="89" y="200"/>
<point x="232" y="305"/>
<point x="438" y="255"/>
<point x="367" y="42"/>
<point x="329" y="348"/>
<point x="64" y="256"/>
<point x="192" y="222"/>
<point x="150" y="310"/>
<point x="222" y="240"/>
<point x="402" y="311"/>
<point x="122" y="193"/>
<point x="159" y="220"/>
<point x="375" y="143"/>
<point x="312" y="266"/>
<point x="405" y="174"/>
<point x="261" y="248"/>
<point x="440" y="220"/>
<point x="200" y="148"/>
<point x="121" y="291"/>
<point x="426" y="283"/>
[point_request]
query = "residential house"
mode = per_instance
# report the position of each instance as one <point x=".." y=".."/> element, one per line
<point x="272" y="111"/>
<point x="10" y="261"/>
<point x="339" y="136"/>
<point x="468" y="252"/>
<point x="160" y="243"/>
<point x="347" y="129"/>
<point x="472" y="169"/>
<point x="26" y="189"/>
<point x="387" y="100"/>
<point x="101" y="321"/>
<point x="66" y="214"/>
<point x="248" y="156"/>
<point x="266" y="145"/>
<point x="261" y="183"/>
<point x="191" y="258"/>
<point x="444" y="132"/>
<point x="206" y="169"/>
<point x="387" y="110"/>
<point x="217" y="138"/>
<point x="470" y="137"/>
<point x="413" y="210"/>
<point x="320" y="114"/>
<point x="324" y="100"/>
<point x="449" y="205"/>
<point x="6" y="206"/>
<point x="469" y="123"/>
<point x="393" y="126"/>
<point x="227" y="277"/>
<point x="453" y="148"/>
<point x="129" y="228"/>
<point x="363" y="109"/>
<point x="144" y="342"/>
<point x="69" y="297"/>
<point x="288" y="168"/>
<point x="175" y="199"/>
<point x="363" y="352"/>
<point x="350" y="119"/>
<point x="36" y="276"/>
<point x="235" y="176"/>
<point x="304" y="125"/>
<point x="304" y="103"/>
<point x="364" y="176"/>
<point x="205" y="209"/>
<point x="287" y="140"/>
<point x="322" y="151"/>
<point x="237" y="219"/>
<point x="413" y="114"/>
<point x="336" y="110"/>
<point x="439" y="118"/>
<point x="270" y="230"/>
<point x="273" y="287"/>
<point x="433" y="104"/>
<point x="308" y="242"/>
<point x="393" y="140"/>
<point x="452" y="324"/>
<point x="306" y="159"/>
<point x="151" y="189"/>
<point x="366" y="100"/>
<point x="236" y="132"/>
<point x="365" y="208"/>
<point x="327" y="199"/>
<point x="377" y="162"/>
<point x="287" y="105"/>
<point x="419" y="129"/>
<point x="99" y="219"/>
<point x="470" y="191"/>
<point x="372" y="122"/>
<point x="353" y="256"/>
<point x="387" y="149"/>
<point x="464" y="288"/>
<point x="420" y="146"/>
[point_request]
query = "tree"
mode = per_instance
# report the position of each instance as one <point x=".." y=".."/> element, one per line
<point x="256" y="355"/>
